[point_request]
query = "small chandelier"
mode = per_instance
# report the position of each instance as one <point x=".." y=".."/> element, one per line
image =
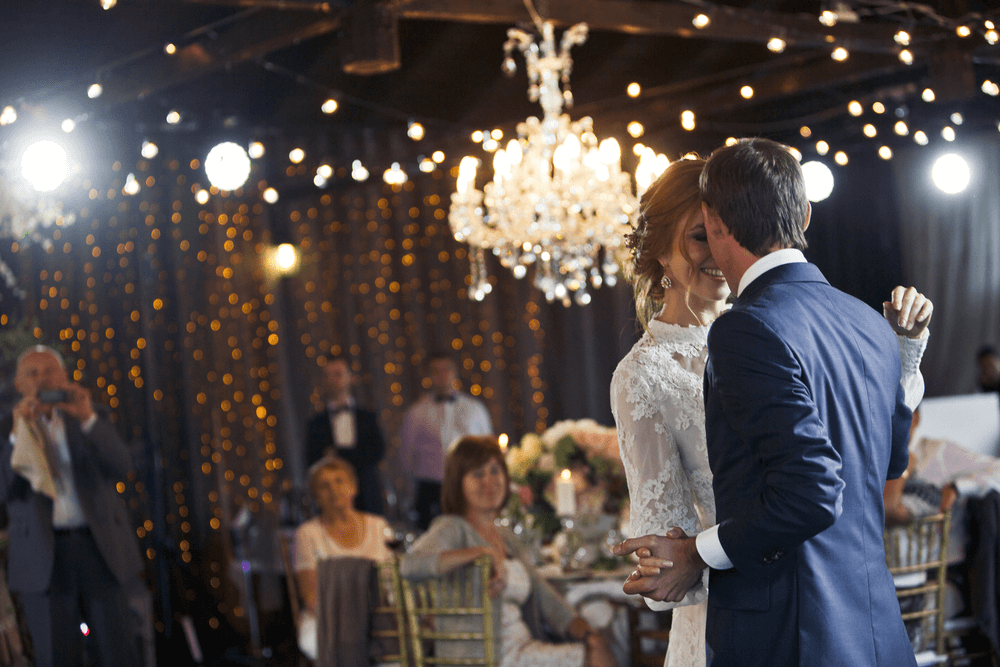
<point x="558" y="199"/>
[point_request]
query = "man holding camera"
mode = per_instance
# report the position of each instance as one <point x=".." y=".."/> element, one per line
<point x="72" y="552"/>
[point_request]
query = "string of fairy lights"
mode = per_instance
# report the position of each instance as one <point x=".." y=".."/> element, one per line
<point x="227" y="165"/>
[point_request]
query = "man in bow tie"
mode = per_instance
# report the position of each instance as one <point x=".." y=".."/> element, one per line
<point x="349" y="432"/>
<point x="433" y="422"/>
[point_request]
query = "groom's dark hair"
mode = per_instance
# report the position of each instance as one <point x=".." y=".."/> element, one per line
<point x="757" y="189"/>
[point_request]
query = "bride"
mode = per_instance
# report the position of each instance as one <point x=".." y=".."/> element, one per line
<point x="656" y="391"/>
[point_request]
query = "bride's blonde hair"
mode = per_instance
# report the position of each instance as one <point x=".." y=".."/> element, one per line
<point x="673" y="198"/>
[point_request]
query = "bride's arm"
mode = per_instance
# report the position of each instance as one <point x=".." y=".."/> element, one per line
<point x="659" y="487"/>
<point x="909" y="313"/>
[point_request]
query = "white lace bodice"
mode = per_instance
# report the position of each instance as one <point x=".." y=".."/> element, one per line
<point x="657" y="402"/>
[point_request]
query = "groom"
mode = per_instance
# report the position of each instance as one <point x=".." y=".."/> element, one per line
<point x="805" y="421"/>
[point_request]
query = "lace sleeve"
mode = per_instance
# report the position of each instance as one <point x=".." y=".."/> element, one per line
<point x="659" y="487"/>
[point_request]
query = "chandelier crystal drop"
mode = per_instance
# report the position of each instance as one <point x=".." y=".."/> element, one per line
<point x="558" y="199"/>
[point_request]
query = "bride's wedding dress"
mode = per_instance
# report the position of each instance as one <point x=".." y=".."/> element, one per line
<point x="657" y="401"/>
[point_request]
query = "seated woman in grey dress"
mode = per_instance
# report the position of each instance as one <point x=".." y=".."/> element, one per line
<point x="474" y="491"/>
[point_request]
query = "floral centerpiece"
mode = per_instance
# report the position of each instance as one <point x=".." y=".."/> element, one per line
<point x="589" y="451"/>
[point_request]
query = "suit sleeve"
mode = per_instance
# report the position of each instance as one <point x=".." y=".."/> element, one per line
<point x="7" y="475"/>
<point x="316" y="439"/>
<point x="375" y="447"/>
<point x="765" y="400"/>
<point x="108" y="449"/>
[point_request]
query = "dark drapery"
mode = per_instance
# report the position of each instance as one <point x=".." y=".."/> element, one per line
<point x="952" y="250"/>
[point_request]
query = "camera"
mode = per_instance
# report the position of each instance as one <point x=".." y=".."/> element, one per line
<point x="53" y="396"/>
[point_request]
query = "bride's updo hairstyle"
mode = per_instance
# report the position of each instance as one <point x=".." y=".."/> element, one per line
<point x="669" y="201"/>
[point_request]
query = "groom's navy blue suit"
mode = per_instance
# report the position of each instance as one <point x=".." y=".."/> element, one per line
<point x="805" y="422"/>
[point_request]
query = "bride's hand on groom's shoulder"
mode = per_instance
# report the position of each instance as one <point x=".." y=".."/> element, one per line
<point x="908" y="311"/>
<point x="669" y="565"/>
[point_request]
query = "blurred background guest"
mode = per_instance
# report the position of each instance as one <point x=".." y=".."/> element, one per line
<point x="349" y="432"/>
<point x="433" y="422"/>
<point x="989" y="368"/>
<point x="339" y="530"/>
<point x="72" y="557"/>
<point x="475" y="489"/>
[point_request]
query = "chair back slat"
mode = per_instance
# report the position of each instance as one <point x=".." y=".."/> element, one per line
<point x="291" y="582"/>
<point x="451" y="617"/>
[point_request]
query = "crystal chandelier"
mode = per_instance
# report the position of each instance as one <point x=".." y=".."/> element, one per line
<point x="558" y="199"/>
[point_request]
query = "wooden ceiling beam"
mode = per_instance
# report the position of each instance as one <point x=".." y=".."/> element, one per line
<point x="669" y="19"/>
<point x="261" y="33"/>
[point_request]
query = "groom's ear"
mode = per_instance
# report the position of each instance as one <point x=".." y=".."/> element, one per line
<point x="713" y="223"/>
<point x="809" y="212"/>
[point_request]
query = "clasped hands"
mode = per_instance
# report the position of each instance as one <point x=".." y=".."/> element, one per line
<point x="669" y="565"/>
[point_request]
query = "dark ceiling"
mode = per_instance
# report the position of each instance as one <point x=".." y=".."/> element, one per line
<point x="267" y="65"/>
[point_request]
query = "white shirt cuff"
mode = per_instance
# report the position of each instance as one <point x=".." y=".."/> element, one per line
<point x="85" y="426"/>
<point x="710" y="549"/>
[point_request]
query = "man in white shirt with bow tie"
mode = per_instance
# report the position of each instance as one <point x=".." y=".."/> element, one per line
<point x="349" y="432"/>
<point x="433" y="422"/>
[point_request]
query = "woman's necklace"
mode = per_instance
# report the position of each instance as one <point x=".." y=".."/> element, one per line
<point x="347" y="534"/>
<point x="489" y="533"/>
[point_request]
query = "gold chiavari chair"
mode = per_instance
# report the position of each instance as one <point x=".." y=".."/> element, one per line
<point x="388" y="624"/>
<point x="921" y="548"/>
<point x="451" y="617"/>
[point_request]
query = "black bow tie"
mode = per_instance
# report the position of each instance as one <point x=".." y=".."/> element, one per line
<point x="450" y="398"/>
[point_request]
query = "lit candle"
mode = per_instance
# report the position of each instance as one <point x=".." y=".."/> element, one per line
<point x="565" y="494"/>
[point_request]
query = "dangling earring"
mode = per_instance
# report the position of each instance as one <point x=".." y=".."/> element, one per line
<point x="666" y="282"/>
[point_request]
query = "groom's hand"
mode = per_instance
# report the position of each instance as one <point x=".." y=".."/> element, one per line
<point x="669" y="566"/>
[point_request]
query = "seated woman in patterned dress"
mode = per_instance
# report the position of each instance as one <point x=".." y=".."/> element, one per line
<point x="474" y="491"/>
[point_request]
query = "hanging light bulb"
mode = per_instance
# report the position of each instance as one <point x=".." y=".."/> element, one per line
<point x="94" y="91"/>
<point x="840" y="54"/>
<point x="776" y="45"/>
<point x="687" y="120"/>
<point x="854" y="108"/>
<point x="906" y="57"/>
<point x="828" y="18"/>
<point x="174" y="117"/>
<point x="255" y="150"/>
<point x="902" y="38"/>
<point x="131" y="185"/>
<point x="885" y="152"/>
<point x="901" y="128"/>
<point x="358" y="171"/>
<point x="296" y="155"/>
<point x="928" y="95"/>
<point x="746" y="92"/>
<point x="8" y="115"/>
<point x="869" y="130"/>
<point x="920" y="137"/>
<point x="415" y="130"/>
<point x="329" y="106"/>
<point x="201" y="197"/>
<point x="270" y="195"/>
<point x="149" y="150"/>
<point x="701" y="21"/>
<point x="822" y="147"/>
<point x="634" y="89"/>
